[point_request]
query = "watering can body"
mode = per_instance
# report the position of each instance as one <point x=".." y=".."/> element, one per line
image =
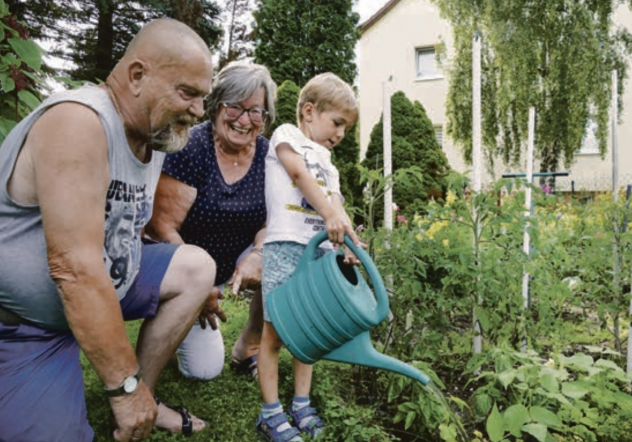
<point x="326" y="310"/>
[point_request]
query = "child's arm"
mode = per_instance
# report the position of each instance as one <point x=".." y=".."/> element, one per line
<point x="350" y="257"/>
<point x="337" y="223"/>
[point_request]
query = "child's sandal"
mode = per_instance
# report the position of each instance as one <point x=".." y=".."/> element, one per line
<point x="268" y="429"/>
<point x="313" y="427"/>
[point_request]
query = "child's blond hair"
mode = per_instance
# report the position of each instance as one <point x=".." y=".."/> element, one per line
<point x="327" y="91"/>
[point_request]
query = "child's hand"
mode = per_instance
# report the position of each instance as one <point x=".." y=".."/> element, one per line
<point x="351" y="258"/>
<point x="337" y="226"/>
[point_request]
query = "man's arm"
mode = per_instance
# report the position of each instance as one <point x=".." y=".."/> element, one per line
<point x="172" y="203"/>
<point x="71" y="175"/>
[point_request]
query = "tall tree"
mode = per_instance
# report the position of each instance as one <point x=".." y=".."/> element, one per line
<point x="287" y="99"/>
<point x="93" y="34"/>
<point x="236" y="43"/>
<point x="556" y="56"/>
<point x="297" y="40"/>
<point x="413" y="144"/>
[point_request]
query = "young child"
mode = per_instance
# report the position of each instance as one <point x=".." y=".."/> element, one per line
<point x="302" y="198"/>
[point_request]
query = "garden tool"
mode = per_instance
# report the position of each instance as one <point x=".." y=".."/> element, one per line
<point x="326" y="310"/>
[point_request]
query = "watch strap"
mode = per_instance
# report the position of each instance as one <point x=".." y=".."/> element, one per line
<point x="120" y="390"/>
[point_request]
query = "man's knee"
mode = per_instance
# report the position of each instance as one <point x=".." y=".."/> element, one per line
<point x="192" y="268"/>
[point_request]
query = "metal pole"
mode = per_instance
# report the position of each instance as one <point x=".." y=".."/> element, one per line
<point x="388" y="165"/>
<point x="477" y="343"/>
<point x="527" y="205"/>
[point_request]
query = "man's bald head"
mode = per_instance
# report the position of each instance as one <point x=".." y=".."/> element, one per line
<point x="165" y="41"/>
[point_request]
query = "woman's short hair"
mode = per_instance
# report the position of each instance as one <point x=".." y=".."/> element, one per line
<point x="237" y="81"/>
<point x="327" y="91"/>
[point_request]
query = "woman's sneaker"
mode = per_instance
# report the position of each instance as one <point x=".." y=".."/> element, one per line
<point x="276" y="428"/>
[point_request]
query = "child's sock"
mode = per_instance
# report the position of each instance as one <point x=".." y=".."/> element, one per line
<point x="269" y="410"/>
<point x="299" y="402"/>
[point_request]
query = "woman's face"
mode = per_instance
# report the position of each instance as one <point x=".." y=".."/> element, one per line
<point x="241" y="132"/>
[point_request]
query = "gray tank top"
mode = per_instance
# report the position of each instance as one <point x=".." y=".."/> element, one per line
<point x="26" y="287"/>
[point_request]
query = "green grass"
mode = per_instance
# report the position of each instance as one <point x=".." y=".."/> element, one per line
<point x="231" y="402"/>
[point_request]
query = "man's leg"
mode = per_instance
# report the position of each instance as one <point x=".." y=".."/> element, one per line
<point x="184" y="276"/>
<point x="41" y="386"/>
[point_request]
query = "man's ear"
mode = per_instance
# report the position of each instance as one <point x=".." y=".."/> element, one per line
<point x="308" y="112"/>
<point x="136" y="71"/>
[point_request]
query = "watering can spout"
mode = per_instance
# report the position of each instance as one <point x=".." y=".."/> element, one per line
<point x="360" y="351"/>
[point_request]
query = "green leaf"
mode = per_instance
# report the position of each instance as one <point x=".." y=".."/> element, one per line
<point x="549" y="382"/>
<point x="6" y="83"/>
<point x="447" y="432"/>
<point x="4" y="9"/>
<point x="409" y="419"/>
<point x="574" y="389"/>
<point x="28" y="51"/>
<point x="581" y="361"/>
<point x="5" y="128"/>
<point x="536" y="430"/>
<point x="515" y="417"/>
<point x="495" y="425"/>
<point x="545" y="417"/>
<point x="607" y="363"/>
<point x="29" y="99"/>
<point x="482" y="404"/>
<point x="507" y="377"/>
<point x="483" y="317"/>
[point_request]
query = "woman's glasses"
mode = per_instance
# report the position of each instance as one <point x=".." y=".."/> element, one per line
<point x="256" y="114"/>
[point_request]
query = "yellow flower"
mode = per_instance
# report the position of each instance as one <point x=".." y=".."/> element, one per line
<point x="446" y="243"/>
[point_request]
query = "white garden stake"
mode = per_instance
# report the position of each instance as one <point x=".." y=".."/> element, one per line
<point x="388" y="165"/>
<point x="527" y="205"/>
<point x="476" y="164"/>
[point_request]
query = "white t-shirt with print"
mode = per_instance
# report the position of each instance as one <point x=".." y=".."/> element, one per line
<point x="290" y="216"/>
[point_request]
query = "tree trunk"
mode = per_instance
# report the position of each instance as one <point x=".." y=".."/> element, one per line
<point x="104" y="62"/>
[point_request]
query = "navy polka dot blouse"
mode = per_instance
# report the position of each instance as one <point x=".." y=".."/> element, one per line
<point x="224" y="218"/>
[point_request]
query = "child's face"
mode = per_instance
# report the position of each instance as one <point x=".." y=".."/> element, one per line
<point x="327" y="127"/>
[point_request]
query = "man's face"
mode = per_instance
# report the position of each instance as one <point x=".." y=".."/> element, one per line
<point x="179" y="101"/>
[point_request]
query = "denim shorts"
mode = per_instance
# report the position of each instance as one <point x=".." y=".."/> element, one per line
<point x="279" y="261"/>
<point x="41" y="382"/>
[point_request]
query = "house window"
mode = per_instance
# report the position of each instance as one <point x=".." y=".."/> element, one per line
<point x="590" y="143"/>
<point x="427" y="68"/>
<point x="439" y="135"/>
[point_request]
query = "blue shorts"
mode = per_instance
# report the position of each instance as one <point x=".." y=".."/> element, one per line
<point x="279" y="261"/>
<point x="41" y="383"/>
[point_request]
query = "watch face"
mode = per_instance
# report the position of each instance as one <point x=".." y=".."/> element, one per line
<point x="130" y="384"/>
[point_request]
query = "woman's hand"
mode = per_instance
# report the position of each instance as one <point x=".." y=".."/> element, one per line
<point x="247" y="272"/>
<point x="211" y="310"/>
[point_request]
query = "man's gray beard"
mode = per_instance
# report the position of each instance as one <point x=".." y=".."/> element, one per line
<point x="168" y="140"/>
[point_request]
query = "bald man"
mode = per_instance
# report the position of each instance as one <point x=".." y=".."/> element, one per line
<point x="77" y="181"/>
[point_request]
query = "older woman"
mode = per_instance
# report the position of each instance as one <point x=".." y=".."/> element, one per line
<point x="211" y="194"/>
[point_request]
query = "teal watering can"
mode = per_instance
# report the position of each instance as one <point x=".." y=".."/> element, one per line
<point x="326" y="310"/>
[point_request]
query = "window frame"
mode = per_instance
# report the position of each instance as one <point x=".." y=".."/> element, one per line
<point x="437" y="74"/>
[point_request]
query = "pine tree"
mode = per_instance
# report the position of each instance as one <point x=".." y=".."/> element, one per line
<point x="97" y="32"/>
<point x="287" y="99"/>
<point x="413" y="144"/>
<point x="297" y="40"/>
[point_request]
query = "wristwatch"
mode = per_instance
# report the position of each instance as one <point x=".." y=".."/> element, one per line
<point x="128" y="386"/>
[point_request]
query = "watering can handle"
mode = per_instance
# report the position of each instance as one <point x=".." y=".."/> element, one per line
<point x="365" y="259"/>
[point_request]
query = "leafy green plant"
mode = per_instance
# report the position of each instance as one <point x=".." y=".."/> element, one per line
<point x="562" y="398"/>
<point x="20" y="72"/>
